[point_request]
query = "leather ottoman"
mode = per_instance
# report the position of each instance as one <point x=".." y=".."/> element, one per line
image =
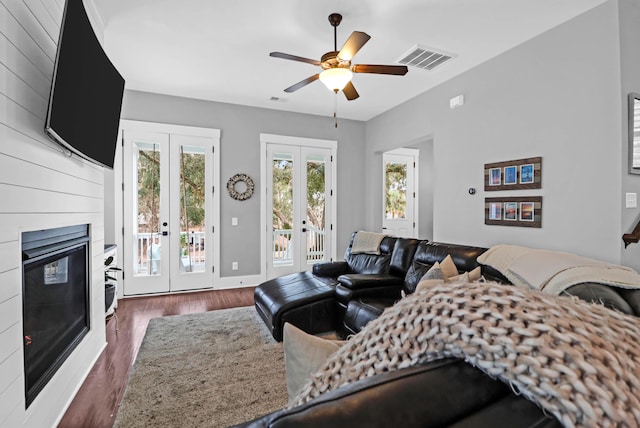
<point x="302" y="299"/>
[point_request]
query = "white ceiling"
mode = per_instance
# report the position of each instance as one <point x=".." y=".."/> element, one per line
<point x="219" y="50"/>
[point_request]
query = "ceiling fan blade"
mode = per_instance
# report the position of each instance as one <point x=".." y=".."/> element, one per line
<point x="294" y="58"/>
<point x="302" y="83"/>
<point x="356" y="40"/>
<point x="399" y="70"/>
<point x="350" y="92"/>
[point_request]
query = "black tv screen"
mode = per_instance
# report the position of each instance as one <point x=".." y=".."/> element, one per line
<point x="86" y="92"/>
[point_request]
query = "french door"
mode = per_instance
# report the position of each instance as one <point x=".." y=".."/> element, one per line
<point x="299" y="207"/>
<point x="400" y="193"/>
<point x="169" y="212"/>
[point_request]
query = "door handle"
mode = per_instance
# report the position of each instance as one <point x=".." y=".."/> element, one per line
<point x="165" y="233"/>
<point x="304" y="229"/>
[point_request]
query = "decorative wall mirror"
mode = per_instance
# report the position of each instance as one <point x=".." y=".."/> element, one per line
<point x="634" y="133"/>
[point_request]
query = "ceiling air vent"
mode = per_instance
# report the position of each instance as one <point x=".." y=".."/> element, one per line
<point x="425" y="58"/>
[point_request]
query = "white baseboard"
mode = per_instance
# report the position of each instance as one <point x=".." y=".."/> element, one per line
<point x="239" y="281"/>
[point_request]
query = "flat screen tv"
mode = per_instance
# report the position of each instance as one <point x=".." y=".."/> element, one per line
<point x="86" y="91"/>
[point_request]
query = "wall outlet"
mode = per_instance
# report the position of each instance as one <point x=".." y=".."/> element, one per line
<point x="631" y="200"/>
<point x="234" y="266"/>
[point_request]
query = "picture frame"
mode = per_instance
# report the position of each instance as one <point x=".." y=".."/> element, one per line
<point x="495" y="177"/>
<point x="515" y="174"/>
<point x="511" y="211"/>
<point x="526" y="173"/>
<point x="633" y="132"/>
<point x="510" y="175"/>
<point x="522" y="211"/>
<point x="495" y="211"/>
<point x="527" y="210"/>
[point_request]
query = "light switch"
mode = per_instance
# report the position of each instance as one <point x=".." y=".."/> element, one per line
<point x="234" y="221"/>
<point x="632" y="200"/>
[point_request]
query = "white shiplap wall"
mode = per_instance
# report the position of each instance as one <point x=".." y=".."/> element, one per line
<point x="40" y="187"/>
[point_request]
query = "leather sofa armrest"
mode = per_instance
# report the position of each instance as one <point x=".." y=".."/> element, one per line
<point x="352" y="286"/>
<point x="440" y="393"/>
<point x="330" y="269"/>
<point x="632" y="297"/>
<point x="361" y="281"/>
<point x="600" y="294"/>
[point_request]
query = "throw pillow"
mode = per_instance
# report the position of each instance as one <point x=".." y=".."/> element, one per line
<point x="473" y="276"/>
<point x="434" y="273"/>
<point x="304" y="354"/>
<point x="463" y="278"/>
<point x="448" y="267"/>
<point x="426" y="284"/>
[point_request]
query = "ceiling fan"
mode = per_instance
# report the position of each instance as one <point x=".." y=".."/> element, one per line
<point x="336" y="65"/>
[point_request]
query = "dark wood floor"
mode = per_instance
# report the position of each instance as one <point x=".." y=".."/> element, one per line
<point x="96" y="403"/>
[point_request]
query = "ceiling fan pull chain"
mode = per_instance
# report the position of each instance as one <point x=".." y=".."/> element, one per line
<point x="335" y="107"/>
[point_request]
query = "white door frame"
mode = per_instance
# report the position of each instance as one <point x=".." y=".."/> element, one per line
<point x="153" y="127"/>
<point x="300" y="142"/>
<point x="412" y="174"/>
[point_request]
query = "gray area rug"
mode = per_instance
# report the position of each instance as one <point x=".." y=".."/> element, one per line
<point x="212" y="369"/>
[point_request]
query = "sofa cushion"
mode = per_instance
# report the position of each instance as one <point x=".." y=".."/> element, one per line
<point x="369" y="264"/>
<point x="464" y="256"/>
<point x="425" y="284"/>
<point x="414" y="274"/>
<point x="366" y="242"/>
<point x="448" y="267"/>
<point x="435" y="272"/>
<point x="304" y="354"/>
<point x="471" y="276"/>
<point x="364" y="310"/>
<point x="402" y="254"/>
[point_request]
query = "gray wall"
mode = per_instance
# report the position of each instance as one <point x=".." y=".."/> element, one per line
<point x="555" y="96"/>
<point x="241" y="127"/>
<point x="629" y="12"/>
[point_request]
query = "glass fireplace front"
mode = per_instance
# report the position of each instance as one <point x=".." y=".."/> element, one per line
<point x="55" y="308"/>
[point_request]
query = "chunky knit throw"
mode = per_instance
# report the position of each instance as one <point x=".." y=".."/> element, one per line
<point x="576" y="360"/>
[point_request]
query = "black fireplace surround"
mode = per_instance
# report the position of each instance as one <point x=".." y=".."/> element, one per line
<point x="55" y="304"/>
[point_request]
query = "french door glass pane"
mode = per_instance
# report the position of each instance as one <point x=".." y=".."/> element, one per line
<point x="315" y="223"/>
<point x="282" y="209"/>
<point x="147" y="242"/>
<point x="395" y="190"/>
<point x="192" y="209"/>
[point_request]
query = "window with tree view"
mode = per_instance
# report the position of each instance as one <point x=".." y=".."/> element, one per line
<point x="395" y="190"/>
<point x="315" y="208"/>
<point x="192" y="209"/>
<point x="147" y="251"/>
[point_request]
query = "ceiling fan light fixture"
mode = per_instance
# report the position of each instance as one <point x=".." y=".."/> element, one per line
<point x="336" y="78"/>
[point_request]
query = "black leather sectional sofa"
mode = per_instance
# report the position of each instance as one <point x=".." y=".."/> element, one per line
<point x="344" y="296"/>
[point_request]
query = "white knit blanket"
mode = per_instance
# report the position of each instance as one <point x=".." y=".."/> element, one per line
<point x="576" y="360"/>
<point x="554" y="271"/>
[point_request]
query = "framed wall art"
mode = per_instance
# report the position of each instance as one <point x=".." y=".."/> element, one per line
<point x="513" y="175"/>
<point x="522" y="211"/>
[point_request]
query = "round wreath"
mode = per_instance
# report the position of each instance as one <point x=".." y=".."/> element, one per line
<point x="240" y="178"/>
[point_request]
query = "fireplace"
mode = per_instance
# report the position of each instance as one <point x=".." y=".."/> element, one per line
<point x="55" y="305"/>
